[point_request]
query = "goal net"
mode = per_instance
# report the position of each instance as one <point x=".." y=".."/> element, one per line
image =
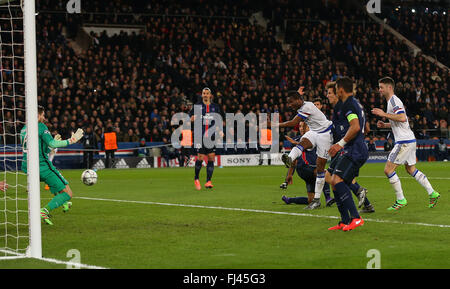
<point x="15" y="216"/>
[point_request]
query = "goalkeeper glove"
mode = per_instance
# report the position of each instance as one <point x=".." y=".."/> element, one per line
<point x="57" y="137"/>
<point x="76" y="136"/>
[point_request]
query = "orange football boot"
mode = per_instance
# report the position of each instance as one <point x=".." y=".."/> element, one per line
<point x="339" y="226"/>
<point x="355" y="223"/>
<point x="197" y="185"/>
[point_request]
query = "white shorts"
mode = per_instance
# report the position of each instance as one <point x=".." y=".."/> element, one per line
<point x="404" y="153"/>
<point x="321" y="141"/>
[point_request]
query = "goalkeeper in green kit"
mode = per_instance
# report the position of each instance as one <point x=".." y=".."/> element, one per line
<point x="47" y="172"/>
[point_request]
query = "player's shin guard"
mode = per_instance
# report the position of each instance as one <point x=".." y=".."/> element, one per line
<point x="347" y="200"/>
<point x="397" y="185"/>
<point x="198" y="167"/>
<point x="320" y="182"/>
<point x="209" y="170"/>
<point x="422" y="179"/>
<point x="58" y="201"/>
<point x="296" y="152"/>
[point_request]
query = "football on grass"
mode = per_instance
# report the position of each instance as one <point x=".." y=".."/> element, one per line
<point x="89" y="177"/>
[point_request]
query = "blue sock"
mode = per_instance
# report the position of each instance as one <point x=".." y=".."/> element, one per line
<point x="209" y="170"/>
<point x="347" y="199"/>
<point x="299" y="200"/>
<point x="345" y="217"/>
<point x="355" y="187"/>
<point x="366" y="202"/>
<point x="326" y="191"/>
<point x="198" y="167"/>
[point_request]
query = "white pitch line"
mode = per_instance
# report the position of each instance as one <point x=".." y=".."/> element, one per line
<point x="361" y="176"/>
<point x="50" y="260"/>
<point x="384" y="177"/>
<point x="259" y="211"/>
<point x="11" y="258"/>
<point x="76" y="265"/>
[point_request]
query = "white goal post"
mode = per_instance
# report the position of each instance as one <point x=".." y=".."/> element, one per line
<point x="20" y="222"/>
<point x="31" y="104"/>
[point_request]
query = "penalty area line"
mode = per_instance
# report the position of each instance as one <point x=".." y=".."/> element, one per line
<point x="259" y="211"/>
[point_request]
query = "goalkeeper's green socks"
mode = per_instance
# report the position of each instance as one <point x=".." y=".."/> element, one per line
<point x="57" y="201"/>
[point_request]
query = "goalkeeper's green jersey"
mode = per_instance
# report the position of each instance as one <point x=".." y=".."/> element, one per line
<point x="46" y="143"/>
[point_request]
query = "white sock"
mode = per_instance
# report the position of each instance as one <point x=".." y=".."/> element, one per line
<point x="320" y="182"/>
<point x="422" y="179"/>
<point x="296" y="152"/>
<point x="395" y="182"/>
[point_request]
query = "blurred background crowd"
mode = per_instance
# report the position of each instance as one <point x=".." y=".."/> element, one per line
<point x="135" y="82"/>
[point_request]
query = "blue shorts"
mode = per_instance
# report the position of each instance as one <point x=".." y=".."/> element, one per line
<point x="345" y="167"/>
<point x="205" y="151"/>
<point x="306" y="172"/>
<point x="333" y="163"/>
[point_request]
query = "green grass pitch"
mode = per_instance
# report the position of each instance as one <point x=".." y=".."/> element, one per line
<point x="154" y="218"/>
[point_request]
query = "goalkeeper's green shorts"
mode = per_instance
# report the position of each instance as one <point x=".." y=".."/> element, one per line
<point x="52" y="177"/>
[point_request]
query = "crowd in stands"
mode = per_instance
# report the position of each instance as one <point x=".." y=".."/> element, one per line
<point x="425" y="25"/>
<point x="135" y="83"/>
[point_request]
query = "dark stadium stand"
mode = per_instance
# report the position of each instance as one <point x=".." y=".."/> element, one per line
<point x="136" y="82"/>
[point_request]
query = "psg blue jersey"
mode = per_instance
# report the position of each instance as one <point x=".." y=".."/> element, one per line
<point x="207" y="118"/>
<point x="336" y="123"/>
<point x="363" y="114"/>
<point x="306" y="165"/>
<point x="308" y="157"/>
<point x="337" y="134"/>
<point x="356" y="148"/>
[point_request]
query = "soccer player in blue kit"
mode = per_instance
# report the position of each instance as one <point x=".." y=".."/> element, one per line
<point x="204" y="153"/>
<point x="358" y="191"/>
<point x="351" y="152"/>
